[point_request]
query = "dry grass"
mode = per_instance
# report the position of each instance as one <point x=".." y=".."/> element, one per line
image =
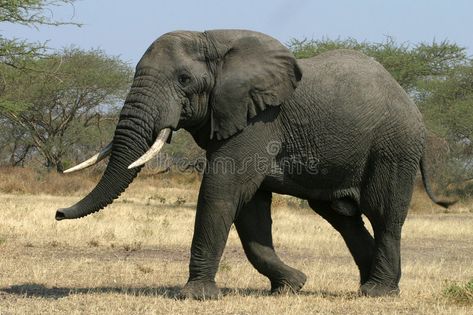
<point x="132" y="258"/>
<point x="148" y="187"/>
<point x="19" y="180"/>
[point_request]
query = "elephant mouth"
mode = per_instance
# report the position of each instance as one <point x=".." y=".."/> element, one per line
<point x="154" y="150"/>
<point x="158" y="144"/>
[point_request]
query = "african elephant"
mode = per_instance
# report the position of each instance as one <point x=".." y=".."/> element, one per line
<point x="335" y="129"/>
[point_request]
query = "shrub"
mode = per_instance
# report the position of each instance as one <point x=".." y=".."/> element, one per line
<point x="460" y="293"/>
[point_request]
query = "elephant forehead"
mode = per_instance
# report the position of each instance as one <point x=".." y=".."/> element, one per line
<point x="173" y="44"/>
<point x="171" y="50"/>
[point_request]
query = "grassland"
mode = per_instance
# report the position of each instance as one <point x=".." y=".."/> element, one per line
<point x="132" y="257"/>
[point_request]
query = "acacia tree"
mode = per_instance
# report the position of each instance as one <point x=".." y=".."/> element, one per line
<point x="13" y="147"/>
<point x="16" y="52"/>
<point x="447" y="106"/>
<point x="32" y="13"/>
<point x="70" y="94"/>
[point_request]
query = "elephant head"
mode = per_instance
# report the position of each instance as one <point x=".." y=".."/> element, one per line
<point x="209" y="83"/>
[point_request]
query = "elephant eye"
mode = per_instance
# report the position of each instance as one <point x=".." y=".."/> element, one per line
<point x="184" y="79"/>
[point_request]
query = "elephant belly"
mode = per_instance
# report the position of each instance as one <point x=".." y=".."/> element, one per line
<point x="310" y="187"/>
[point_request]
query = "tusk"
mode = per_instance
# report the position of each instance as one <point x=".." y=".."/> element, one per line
<point x="93" y="160"/>
<point x="154" y="150"/>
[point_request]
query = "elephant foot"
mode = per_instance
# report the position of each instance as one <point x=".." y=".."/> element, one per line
<point x="291" y="282"/>
<point x="373" y="289"/>
<point x="200" y="290"/>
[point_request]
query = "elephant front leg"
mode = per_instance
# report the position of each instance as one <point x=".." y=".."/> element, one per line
<point x="254" y="228"/>
<point x="215" y="216"/>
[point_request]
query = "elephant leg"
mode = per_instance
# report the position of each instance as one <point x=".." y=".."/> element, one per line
<point x="254" y="228"/>
<point x="385" y="202"/>
<point x="216" y="210"/>
<point x="359" y="241"/>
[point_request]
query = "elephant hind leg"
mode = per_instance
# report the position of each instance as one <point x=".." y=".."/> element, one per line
<point x="385" y="200"/>
<point x="253" y="225"/>
<point x="359" y="241"/>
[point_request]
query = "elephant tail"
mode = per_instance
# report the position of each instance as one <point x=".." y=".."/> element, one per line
<point x="428" y="189"/>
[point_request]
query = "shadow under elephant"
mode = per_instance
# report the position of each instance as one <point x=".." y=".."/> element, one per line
<point x="34" y="290"/>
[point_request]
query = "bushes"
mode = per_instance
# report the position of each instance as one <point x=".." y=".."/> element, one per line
<point x="460" y="293"/>
<point x="18" y="180"/>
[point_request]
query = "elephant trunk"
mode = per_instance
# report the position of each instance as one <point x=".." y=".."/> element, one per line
<point x="134" y="134"/>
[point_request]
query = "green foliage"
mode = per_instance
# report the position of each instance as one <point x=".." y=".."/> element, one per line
<point x="407" y="64"/>
<point x="460" y="293"/>
<point x="14" y="51"/>
<point x="183" y="155"/>
<point x="447" y="105"/>
<point x="309" y="48"/>
<point x="17" y="53"/>
<point x="14" y="107"/>
<point x="447" y="102"/>
<point x="68" y="104"/>
<point x="183" y="146"/>
<point x="28" y="13"/>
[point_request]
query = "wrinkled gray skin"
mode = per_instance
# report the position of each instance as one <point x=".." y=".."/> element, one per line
<point x="336" y="130"/>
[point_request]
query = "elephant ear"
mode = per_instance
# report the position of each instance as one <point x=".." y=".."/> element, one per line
<point x="256" y="72"/>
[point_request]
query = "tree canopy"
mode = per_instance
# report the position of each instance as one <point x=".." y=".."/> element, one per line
<point x="60" y="108"/>
<point x="31" y="13"/>
<point x="408" y="64"/>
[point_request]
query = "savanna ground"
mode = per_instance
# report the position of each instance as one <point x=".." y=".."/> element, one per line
<point x="132" y="257"/>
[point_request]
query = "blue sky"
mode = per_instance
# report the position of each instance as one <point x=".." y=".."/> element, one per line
<point x="126" y="28"/>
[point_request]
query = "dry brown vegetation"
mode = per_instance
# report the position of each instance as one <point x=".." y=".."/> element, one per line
<point x="132" y="257"/>
<point x="18" y="180"/>
<point x="151" y="183"/>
